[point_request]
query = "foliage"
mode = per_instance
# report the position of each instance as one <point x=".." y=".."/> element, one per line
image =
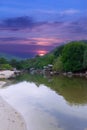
<point x="13" y="62"/>
<point x="70" y="88"/>
<point x="72" y="56"/>
<point x="3" y="60"/>
<point x="58" y="51"/>
<point x="85" y="59"/>
<point x="39" y="62"/>
<point x="68" y="57"/>
<point x="5" y="66"/>
<point x="58" y="64"/>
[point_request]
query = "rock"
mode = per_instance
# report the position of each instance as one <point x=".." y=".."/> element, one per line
<point x="6" y="74"/>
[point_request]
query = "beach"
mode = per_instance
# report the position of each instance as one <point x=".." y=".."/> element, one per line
<point x="10" y="119"/>
<point x="2" y="83"/>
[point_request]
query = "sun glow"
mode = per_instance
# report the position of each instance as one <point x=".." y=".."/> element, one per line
<point x="41" y="52"/>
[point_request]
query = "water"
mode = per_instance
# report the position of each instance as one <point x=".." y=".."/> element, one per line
<point x="56" y="103"/>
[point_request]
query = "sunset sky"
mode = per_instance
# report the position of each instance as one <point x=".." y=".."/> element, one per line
<point x="31" y="27"/>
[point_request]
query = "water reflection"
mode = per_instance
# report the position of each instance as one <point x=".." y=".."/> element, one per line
<point x="74" y="90"/>
<point x="49" y="105"/>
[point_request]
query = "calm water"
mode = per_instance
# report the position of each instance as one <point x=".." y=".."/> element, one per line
<point x="56" y="103"/>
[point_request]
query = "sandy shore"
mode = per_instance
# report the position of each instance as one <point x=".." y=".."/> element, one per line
<point x="2" y="83"/>
<point x="10" y="119"/>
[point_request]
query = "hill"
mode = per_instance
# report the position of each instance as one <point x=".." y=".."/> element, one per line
<point x="9" y="57"/>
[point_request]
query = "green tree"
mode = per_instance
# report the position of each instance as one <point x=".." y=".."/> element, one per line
<point x="58" y="51"/>
<point x="3" y="60"/>
<point x="85" y="59"/>
<point x="39" y="62"/>
<point x="58" y="64"/>
<point x="6" y="67"/>
<point x="72" y="56"/>
<point x="13" y="62"/>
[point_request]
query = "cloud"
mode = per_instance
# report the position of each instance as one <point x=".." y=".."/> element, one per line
<point x="21" y="23"/>
<point x="47" y="41"/>
<point x="69" y="12"/>
<point x="30" y="41"/>
<point x="58" y="12"/>
<point x="38" y="36"/>
<point x="18" y="23"/>
<point x="27" y="24"/>
<point x="17" y="40"/>
<point x="24" y="30"/>
<point x="6" y="39"/>
<point x="79" y="26"/>
<point x="40" y="11"/>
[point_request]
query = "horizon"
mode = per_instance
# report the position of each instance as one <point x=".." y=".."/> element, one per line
<point x="30" y="28"/>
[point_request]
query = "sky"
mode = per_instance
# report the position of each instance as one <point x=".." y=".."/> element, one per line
<point x="35" y="27"/>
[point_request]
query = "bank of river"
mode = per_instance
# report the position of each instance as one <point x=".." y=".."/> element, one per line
<point x="10" y="119"/>
<point x="57" y="103"/>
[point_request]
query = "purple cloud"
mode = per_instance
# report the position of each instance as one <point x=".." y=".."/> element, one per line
<point x="79" y="26"/>
<point x="16" y="24"/>
<point x="22" y="34"/>
<point x="28" y="24"/>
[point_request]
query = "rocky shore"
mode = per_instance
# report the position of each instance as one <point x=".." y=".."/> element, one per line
<point x="6" y="74"/>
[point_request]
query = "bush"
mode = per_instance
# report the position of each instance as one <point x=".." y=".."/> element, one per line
<point x="58" y="64"/>
<point x="72" y="56"/>
<point x="5" y="67"/>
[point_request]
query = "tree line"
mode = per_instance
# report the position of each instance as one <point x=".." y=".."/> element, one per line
<point x="67" y="57"/>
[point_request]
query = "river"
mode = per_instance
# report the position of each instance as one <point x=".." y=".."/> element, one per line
<point x="49" y="103"/>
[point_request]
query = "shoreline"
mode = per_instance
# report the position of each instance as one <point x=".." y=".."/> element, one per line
<point x="2" y="83"/>
<point x="10" y="119"/>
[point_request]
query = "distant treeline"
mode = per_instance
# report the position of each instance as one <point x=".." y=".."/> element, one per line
<point x="67" y="57"/>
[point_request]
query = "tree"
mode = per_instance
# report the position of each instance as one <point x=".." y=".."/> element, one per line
<point x="6" y="67"/>
<point x="58" y="64"/>
<point x="13" y="62"/>
<point x="72" y="56"/>
<point x="58" y="51"/>
<point x="3" y="60"/>
<point x="85" y="59"/>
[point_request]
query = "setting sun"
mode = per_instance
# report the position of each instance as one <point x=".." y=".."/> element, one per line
<point x="41" y="52"/>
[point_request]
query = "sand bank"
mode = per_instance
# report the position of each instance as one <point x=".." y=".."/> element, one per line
<point x="10" y="119"/>
<point x="2" y="83"/>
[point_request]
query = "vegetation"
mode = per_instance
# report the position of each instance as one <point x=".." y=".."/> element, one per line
<point x="70" y="88"/>
<point x="85" y="59"/>
<point x="73" y="55"/>
<point x="58" y="51"/>
<point x="58" y="66"/>
<point x="5" y="67"/>
<point x="3" y="60"/>
<point x="67" y="57"/>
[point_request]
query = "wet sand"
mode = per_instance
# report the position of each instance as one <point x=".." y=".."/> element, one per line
<point x="10" y="119"/>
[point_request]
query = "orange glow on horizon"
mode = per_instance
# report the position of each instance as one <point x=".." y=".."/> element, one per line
<point x="41" y="52"/>
<point x="47" y="41"/>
